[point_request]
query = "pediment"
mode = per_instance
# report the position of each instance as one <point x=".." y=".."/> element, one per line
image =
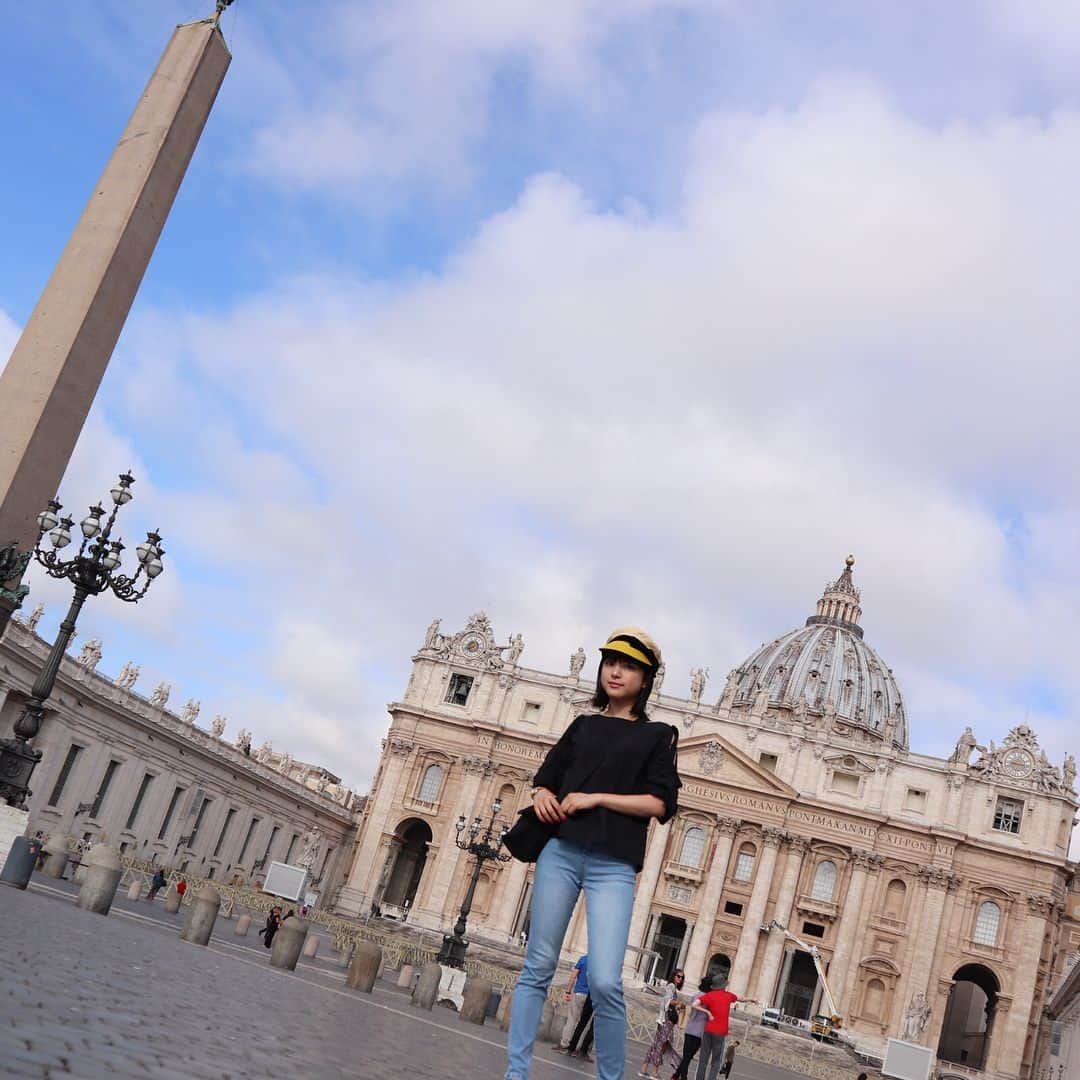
<point x="711" y="757"/>
<point x="850" y="762"/>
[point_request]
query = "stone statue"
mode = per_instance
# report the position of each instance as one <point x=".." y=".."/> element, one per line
<point x="90" y="656"/>
<point x="322" y="784"/>
<point x="128" y="676"/>
<point x="658" y="679"/>
<point x="888" y="735"/>
<point x="1068" y="772"/>
<point x="1046" y="774"/>
<point x="516" y="648"/>
<point x="802" y="710"/>
<point x="243" y="741"/>
<point x="160" y="696"/>
<point x="217" y="726"/>
<point x="311" y="848"/>
<point x="262" y="755"/>
<point x="191" y="712"/>
<point x="285" y="764"/>
<point x="916" y="1018"/>
<point x="964" y="745"/>
<point x="698" y="678"/>
<point x="761" y="702"/>
<point x="35" y="617"/>
<point x="986" y="758"/>
<point x="577" y="662"/>
<point x="433" y="639"/>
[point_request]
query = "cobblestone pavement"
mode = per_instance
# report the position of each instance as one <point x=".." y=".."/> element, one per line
<point x="86" y="996"/>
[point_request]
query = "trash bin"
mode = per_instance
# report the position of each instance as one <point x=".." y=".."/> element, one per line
<point x="493" y="1003"/>
<point x="21" y="860"/>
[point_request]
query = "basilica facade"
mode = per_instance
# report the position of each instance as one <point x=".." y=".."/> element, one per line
<point x="938" y="893"/>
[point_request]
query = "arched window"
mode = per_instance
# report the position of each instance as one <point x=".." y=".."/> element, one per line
<point x="693" y="847"/>
<point x="432" y="784"/>
<point x="744" y="864"/>
<point x="895" y="895"/>
<point x="987" y="923"/>
<point x="508" y="798"/>
<point x="824" y="881"/>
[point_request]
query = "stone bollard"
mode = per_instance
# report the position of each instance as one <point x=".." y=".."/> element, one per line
<point x="135" y="889"/>
<point x="312" y="946"/>
<point x="549" y="1022"/>
<point x="102" y="876"/>
<point x="405" y="976"/>
<point x="426" y="989"/>
<point x="365" y="968"/>
<point x="201" y="916"/>
<point x="288" y="942"/>
<point x="345" y="959"/>
<point x="173" y="900"/>
<point x="56" y="861"/>
<point x="502" y="1017"/>
<point x="475" y="1000"/>
<point x="243" y="925"/>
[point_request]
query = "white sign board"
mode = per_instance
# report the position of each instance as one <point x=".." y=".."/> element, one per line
<point x="907" y="1061"/>
<point x="285" y="880"/>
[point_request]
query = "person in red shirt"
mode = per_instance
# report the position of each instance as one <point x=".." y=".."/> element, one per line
<point x="716" y="1004"/>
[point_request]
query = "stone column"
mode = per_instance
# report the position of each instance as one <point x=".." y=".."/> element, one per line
<point x="50" y="382"/>
<point x="1011" y="1030"/>
<point x="938" y="882"/>
<point x="739" y="979"/>
<point x="646" y="887"/>
<point x="437" y="886"/>
<point x="365" y="868"/>
<point x="774" y="947"/>
<point x="501" y="920"/>
<point x="846" y="931"/>
<point x="698" y="955"/>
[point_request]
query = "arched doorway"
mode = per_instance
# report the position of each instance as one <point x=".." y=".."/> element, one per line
<point x="718" y="968"/>
<point x="969" y="1017"/>
<point x="411" y="841"/>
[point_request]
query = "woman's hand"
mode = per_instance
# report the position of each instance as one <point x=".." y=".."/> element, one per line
<point x="577" y="801"/>
<point x="547" y="807"/>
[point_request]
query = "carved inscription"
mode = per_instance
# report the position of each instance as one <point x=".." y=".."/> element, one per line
<point x="733" y="798"/>
<point x="827" y="821"/>
<point x="522" y="750"/>
<point x="909" y="843"/>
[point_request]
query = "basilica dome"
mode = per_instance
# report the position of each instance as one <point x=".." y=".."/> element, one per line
<point x="825" y="669"/>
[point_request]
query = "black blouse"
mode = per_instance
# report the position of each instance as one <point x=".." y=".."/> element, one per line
<point x="619" y="757"/>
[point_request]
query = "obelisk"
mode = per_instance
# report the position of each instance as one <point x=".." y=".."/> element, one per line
<point x="50" y="382"/>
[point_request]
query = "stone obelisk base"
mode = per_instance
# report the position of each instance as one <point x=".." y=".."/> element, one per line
<point x="12" y="823"/>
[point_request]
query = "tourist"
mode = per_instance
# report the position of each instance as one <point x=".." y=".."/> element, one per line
<point x="157" y="882"/>
<point x="716" y="1004"/>
<point x="577" y="991"/>
<point x="670" y="997"/>
<point x="663" y="1044"/>
<point x="181" y="888"/>
<point x="695" y="1029"/>
<point x="598" y="787"/>
<point x="582" y="1039"/>
<point x="729" y="1059"/>
<point x="273" y="922"/>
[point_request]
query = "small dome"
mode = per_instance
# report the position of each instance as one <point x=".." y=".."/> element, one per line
<point x="826" y="667"/>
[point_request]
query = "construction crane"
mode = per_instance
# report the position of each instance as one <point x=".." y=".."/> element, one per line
<point x="830" y="1022"/>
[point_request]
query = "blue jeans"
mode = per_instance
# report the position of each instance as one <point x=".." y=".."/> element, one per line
<point x="562" y="872"/>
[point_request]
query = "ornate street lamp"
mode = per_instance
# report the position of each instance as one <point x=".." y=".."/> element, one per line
<point x="92" y="570"/>
<point x="484" y="845"/>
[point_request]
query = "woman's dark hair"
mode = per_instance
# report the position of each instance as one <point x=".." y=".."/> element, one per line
<point x="601" y="700"/>
<point x="706" y="984"/>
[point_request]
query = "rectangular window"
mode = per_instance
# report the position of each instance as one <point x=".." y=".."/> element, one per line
<point x="65" y="771"/>
<point x="199" y="820"/>
<point x="915" y="799"/>
<point x="846" y="782"/>
<point x="247" y="839"/>
<point x="1007" y="814"/>
<point x="224" y="829"/>
<point x="768" y="761"/>
<point x="103" y="788"/>
<point x="292" y="844"/>
<point x="167" y="821"/>
<point x="530" y="712"/>
<point x="143" y="787"/>
<point x="732" y="908"/>
<point x="457" y="693"/>
<point x="744" y="866"/>
<point x="813" y="929"/>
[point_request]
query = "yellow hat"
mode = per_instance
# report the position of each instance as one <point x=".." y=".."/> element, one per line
<point x="632" y="641"/>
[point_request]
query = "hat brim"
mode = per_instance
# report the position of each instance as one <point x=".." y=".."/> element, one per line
<point x="626" y="649"/>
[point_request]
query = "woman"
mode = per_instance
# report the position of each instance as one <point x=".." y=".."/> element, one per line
<point x="273" y="923"/>
<point x="600" y="784"/>
<point x="695" y="1031"/>
<point x="663" y="1044"/>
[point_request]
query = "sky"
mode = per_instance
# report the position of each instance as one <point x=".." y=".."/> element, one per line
<point x="582" y="313"/>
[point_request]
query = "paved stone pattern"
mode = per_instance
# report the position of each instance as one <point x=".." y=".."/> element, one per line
<point x="122" y="996"/>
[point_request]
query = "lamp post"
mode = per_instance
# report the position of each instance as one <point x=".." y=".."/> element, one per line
<point x="93" y="570"/>
<point x="484" y="845"/>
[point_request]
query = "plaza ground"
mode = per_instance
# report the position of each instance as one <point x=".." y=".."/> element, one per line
<point x="86" y="996"/>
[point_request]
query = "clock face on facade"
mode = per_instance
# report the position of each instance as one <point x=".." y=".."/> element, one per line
<point x="472" y="644"/>
<point x="1018" y="763"/>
